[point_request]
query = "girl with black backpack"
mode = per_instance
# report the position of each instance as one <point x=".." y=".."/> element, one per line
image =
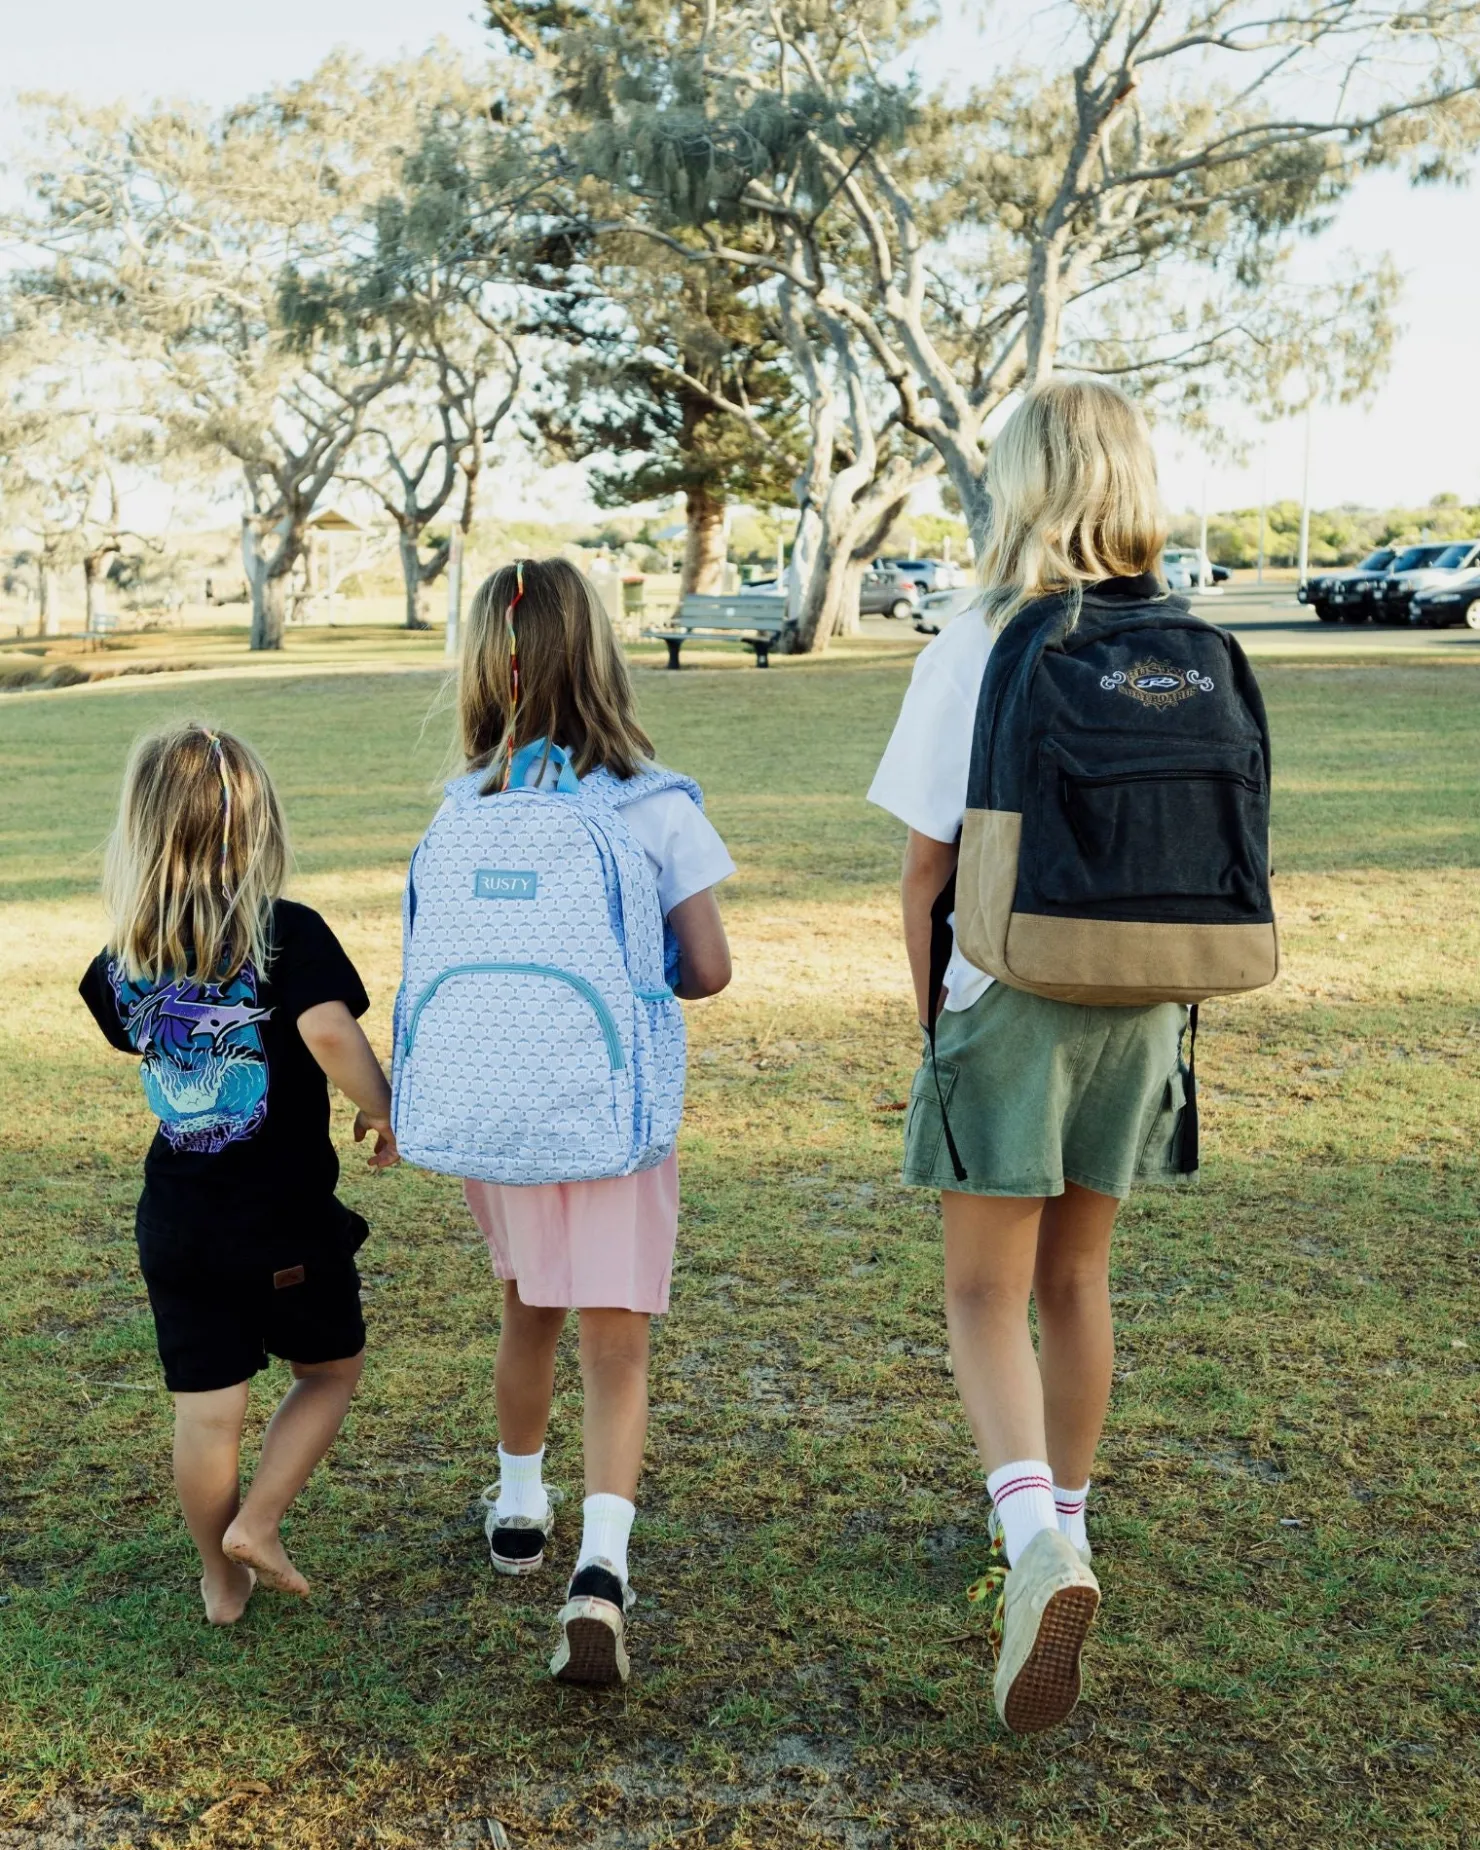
<point x="1095" y="759"/>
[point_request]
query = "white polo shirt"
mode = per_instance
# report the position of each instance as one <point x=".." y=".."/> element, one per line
<point x="923" y="774"/>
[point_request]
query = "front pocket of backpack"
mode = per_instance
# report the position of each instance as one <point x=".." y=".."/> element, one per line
<point x="514" y="1072"/>
<point x="1187" y="826"/>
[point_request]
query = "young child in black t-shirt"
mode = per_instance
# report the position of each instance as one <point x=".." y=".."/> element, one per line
<point x="237" y="1003"/>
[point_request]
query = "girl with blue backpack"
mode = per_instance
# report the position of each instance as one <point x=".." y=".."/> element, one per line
<point x="559" y="905"/>
<point x="1083" y="766"/>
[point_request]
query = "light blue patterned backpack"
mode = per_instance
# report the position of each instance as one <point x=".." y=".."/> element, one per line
<point x="537" y="1036"/>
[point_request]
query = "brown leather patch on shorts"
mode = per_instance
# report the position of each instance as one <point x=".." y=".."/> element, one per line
<point x="291" y="1275"/>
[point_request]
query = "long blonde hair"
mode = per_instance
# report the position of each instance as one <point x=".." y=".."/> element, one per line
<point x="1072" y="481"/>
<point x="197" y="857"/>
<point x="574" y="689"/>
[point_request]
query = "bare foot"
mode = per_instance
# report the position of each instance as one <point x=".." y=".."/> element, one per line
<point x="226" y="1602"/>
<point x="267" y="1554"/>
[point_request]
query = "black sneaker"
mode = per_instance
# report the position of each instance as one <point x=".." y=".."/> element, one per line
<point x="516" y="1544"/>
<point x="593" y="1643"/>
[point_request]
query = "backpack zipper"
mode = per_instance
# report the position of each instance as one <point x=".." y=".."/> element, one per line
<point x="578" y="983"/>
<point x="1199" y="776"/>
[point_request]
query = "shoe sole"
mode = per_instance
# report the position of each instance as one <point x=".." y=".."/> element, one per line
<point x="592" y="1648"/>
<point x="501" y="1565"/>
<point x="1046" y="1689"/>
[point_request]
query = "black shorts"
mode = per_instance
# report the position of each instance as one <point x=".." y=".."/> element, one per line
<point x="224" y="1300"/>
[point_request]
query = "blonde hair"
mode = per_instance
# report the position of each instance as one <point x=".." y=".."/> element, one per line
<point x="574" y="689"/>
<point x="1072" y="481"/>
<point x="197" y="857"/>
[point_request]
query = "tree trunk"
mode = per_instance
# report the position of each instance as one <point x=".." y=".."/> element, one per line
<point x="824" y="600"/>
<point x="411" y="575"/>
<point x="803" y="556"/>
<point x="267" y="580"/>
<point x="48" y="617"/>
<point x="92" y="576"/>
<point x="704" y="543"/>
<point x="269" y="610"/>
<point x="846" y="615"/>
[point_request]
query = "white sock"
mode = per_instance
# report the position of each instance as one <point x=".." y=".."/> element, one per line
<point x="1070" y="1507"/>
<point x="1022" y="1495"/>
<point x="606" y="1522"/>
<point x="521" y="1485"/>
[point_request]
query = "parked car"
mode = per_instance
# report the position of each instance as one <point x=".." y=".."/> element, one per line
<point x="1363" y="597"/>
<point x="938" y="608"/>
<point x="887" y="593"/>
<point x="1188" y="568"/>
<point x="925" y="574"/>
<point x="1326" y="592"/>
<point x="1442" y="606"/>
<point x="1398" y="594"/>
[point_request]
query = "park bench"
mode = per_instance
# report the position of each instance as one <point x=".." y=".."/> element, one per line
<point x="755" y="619"/>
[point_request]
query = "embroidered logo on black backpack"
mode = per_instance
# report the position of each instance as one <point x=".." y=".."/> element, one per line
<point x="1155" y="684"/>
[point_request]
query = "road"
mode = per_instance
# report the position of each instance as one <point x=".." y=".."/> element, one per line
<point x="1268" y="621"/>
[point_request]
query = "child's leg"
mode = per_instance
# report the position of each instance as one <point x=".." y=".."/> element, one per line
<point x="524" y="1371"/>
<point x="614" y="1374"/>
<point x="208" y="1430"/>
<point x="991" y="1243"/>
<point x="302" y="1430"/>
<point x="1076" y="1345"/>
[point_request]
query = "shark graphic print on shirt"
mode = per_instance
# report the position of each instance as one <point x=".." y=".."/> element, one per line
<point x="204" y="1066"/>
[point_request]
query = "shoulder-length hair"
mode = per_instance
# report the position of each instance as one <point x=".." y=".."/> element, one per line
<point x="1072" y="481"/>
<point x="197" y="857"/>
<point x="574" y="689"/>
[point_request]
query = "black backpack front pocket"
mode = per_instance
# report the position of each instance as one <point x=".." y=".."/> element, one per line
<point x="1186" y="827"/>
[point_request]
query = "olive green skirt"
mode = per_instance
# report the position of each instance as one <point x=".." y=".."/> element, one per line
<point x="1041" y="1093"/>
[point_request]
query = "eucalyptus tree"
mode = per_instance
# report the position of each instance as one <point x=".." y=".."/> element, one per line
<point x="1127" y="203"/>
<point x="196" y="244"/>
<point x="423" y="450"/>
<point x="72" y="434"/>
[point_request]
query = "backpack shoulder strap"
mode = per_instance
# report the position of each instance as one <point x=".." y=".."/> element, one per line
<point x="619" y="793"/>
<point x="461" y="791"/>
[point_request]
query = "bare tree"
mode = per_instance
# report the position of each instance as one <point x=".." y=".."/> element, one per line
<point x="426" y="447"/>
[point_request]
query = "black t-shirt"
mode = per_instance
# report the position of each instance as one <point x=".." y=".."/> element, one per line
<point x="243" y="1106"/>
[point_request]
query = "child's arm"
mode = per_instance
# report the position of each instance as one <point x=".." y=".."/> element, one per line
<point x="927" y="867"/>
<point x="337" y="1041"/>
<point x="703" y="949"/>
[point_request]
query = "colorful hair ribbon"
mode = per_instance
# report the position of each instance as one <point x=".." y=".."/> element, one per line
<point x="513" y="668"/>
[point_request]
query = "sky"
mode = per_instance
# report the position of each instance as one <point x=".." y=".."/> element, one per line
<point x="1415" y="440"/>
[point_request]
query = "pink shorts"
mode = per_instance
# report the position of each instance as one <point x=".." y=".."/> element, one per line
<point x="604" y="1245"/>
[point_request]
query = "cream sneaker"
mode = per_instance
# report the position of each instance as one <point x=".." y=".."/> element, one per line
<point x="1048" y="1606"/>
<point x="593" y="1627"/>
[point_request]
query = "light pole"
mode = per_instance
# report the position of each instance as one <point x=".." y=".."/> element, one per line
<point x="1263" y="508"/>
<point x="454" y="589"/>
<point x="1305" y="503"/>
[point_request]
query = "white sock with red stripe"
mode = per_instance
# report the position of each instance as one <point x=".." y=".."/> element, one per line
<point x="1070" y="1507"/>
<point x="1022" y="1496"/>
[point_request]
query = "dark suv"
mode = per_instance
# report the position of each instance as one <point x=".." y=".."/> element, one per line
<point x="1454" y="560"/>
<point x="1364" y="597"/>
<point x="1321" y="592"/>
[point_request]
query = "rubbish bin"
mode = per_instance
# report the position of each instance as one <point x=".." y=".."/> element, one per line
<point x="634" y="605"/>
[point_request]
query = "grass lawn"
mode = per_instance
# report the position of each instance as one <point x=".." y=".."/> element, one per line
<point x="1289" y="1497"/>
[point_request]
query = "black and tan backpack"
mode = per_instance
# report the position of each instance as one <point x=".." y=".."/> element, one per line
<point x="1116" y="842"/>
